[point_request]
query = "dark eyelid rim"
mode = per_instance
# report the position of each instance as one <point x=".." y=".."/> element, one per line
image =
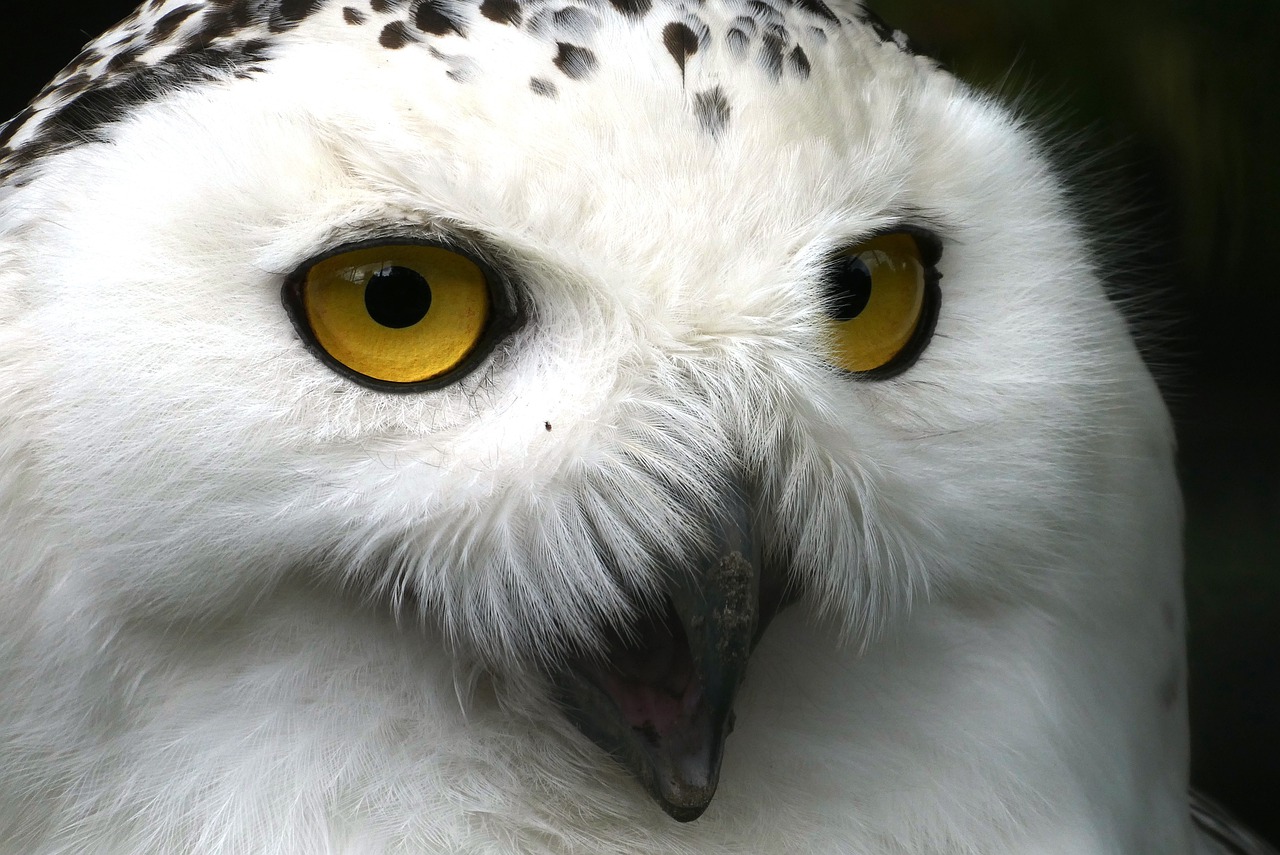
<point x="507" y="311"/>
<point x="930" y="246"/>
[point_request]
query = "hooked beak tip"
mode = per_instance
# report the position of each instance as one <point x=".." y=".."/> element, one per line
<point x="662" y="701"/>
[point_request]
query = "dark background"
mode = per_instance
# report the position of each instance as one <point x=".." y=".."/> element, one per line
<point x="1163" y="113"/>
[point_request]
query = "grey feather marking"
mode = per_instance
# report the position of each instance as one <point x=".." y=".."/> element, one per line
<point x="712" y="109"/>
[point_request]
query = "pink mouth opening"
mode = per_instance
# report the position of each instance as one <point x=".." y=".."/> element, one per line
<point x="651" y="677"/>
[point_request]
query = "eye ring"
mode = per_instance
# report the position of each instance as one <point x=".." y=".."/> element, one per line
<point x="843" y="308"/>
<point x="503" y="311"/>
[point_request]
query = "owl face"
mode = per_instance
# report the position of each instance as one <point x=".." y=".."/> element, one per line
<point x="525" y="316"/>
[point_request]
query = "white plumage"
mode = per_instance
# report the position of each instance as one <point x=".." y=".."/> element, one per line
<point x="254" y="604"/>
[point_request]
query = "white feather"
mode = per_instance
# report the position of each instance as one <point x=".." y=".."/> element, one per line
<point x="202" y="523"/>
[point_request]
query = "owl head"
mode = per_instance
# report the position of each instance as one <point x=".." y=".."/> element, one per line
<point x="590" y="335"/>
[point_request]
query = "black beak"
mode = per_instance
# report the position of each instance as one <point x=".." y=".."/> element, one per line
<point x="661" y="700"/>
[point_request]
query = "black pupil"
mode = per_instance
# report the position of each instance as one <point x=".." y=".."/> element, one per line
<point x="848" y="289"/>
<point x="397" y="297"/>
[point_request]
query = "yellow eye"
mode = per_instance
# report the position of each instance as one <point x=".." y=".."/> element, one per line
<point x="396" y="315"/>
<point x="881" y="303"/>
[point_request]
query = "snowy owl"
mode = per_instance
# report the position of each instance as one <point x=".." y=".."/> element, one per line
<point x="568" y="426"/>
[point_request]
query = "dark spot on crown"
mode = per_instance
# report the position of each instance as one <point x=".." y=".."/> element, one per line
<point x="747" y="25"/>
<point x="770" y="56"/>
<point x="818" y="35"/>
<point x="353" y="16"/>
<point x="574" y="19"/>
<point x="295" y="11"/>
<point x="886" y="33"/>
<point x="680" y="42"/>
<point x="169" y="24"/>
<point x="381" y="6"/>
<point x="81" y="119"/>
<point x="632" y="8"/>
<point x="84" y="59"/>
<point x="396" y="35"/>
<point x="122" y="60"/>
<point x="817" y="7"/>
<point x="290" y="13"/>
<point x="764" y="12"/>
<point x="220" y="20"/>
<point x="700" y="29"/>
<point x="539" y="23"/>
<point x="574" y="61"/>
<point x="712" y="110"/>
<point x="74" y="85"/>
<point x="501" y="11"/>
<point x="737" y="41"/>
<point x="798" y="62"/>
<point x="545" y="88"/>
<point x="540" y="27"/>
<point x="429" y="17"/>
